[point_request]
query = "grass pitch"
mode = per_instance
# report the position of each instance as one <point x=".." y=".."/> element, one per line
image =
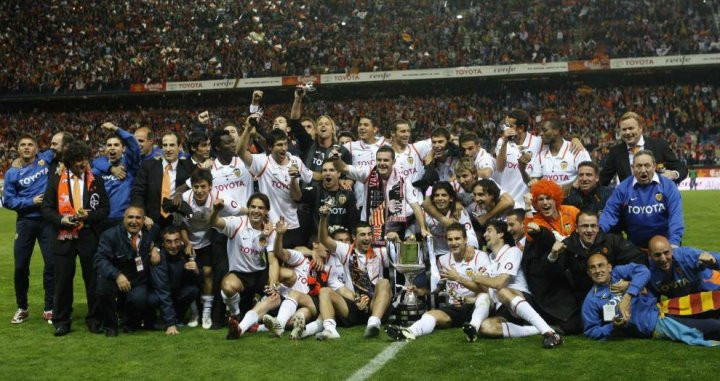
<point x="30" y="351"/>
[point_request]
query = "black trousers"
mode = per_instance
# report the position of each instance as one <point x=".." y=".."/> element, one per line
<point x="182" y="297"/>
<point x="220" y="268"/>
<point x="27" y="231"/>
<point x="133" y="302"/>
<point x="65" y="264"/>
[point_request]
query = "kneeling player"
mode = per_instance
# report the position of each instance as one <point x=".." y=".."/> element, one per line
<point x="507" y="285"/>
<point x="458" y="268"/>
<point x="249" y="238"/>
<point x="364" y="265"/>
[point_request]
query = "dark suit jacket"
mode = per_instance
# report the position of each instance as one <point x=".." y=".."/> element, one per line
<point x="95" y="202"/>
<point x="147" y="189"/>
<point x="115" y="254"/>
<point x="618" y="161"/>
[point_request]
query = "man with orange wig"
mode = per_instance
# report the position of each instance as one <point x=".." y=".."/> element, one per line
<point x="546" y="197"/>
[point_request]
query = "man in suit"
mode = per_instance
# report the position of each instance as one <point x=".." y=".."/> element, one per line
<point x="75" y="202"/>
<point x="122" y="265"/>
<point x="158" y="179"/>
<point x="619" y="159"/>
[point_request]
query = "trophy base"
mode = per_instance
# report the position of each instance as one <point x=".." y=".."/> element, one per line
<point x="406" y="314"/>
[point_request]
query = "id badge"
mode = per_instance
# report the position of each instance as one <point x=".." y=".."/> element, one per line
<point x="138" y="264"/>
<point x="608" y="313"/>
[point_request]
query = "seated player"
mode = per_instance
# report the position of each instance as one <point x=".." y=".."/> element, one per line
<point x="326" y="271"/>
<point x="294" y="290"/>
<point x="633" y="313"/>
<point x="364" y="266"/>
<point x="507" y="286"/>
<point x="458" y="269"/>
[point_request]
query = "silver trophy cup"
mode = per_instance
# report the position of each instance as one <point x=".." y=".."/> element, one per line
<point x="409" y="263"/>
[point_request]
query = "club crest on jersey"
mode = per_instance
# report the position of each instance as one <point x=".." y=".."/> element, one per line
<point x="658" y="196"/>
<point x="567" y="226"/>
<point x="410" y="160"/>
<point x="563" y="165"/>
<point x="468" y="272"/>
<point x="237" y="172"/>
<point x="41" y="162"/>
<point x="342" y="199"/>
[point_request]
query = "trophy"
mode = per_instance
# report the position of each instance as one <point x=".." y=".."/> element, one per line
<point x="409" y="263"/>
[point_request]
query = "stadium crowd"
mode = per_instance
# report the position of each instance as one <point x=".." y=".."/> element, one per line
<point x="76" y="46"/>
<point x="684" y="114"/>
<point x="522" y="239"/>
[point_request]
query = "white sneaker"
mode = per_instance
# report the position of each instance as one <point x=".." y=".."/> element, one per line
<point x="20" y="316"/>
<point x="206" y="322"/>
<point x="273" y="325"/>
<point x="298" y="322"/>
<point x="327" y="335"/>
<point x="372" y="331"/>
<point x="399" y="333"/>
<point x="194" y="318"/>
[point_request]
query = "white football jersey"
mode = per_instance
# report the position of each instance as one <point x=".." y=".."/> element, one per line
<point x="246" y="251"/>
<point x="508" y="261"/>
<point x="399" y="193"/>
<point x="197" y="224"/>
<point x="274" y="181"/>
<point x="467" y="269"/>
<point x="439" y="233"/>
<point x="363" y="155"/>
<point x="373" y="264"/>
<point x="484" y="160"/>
<point x="301" y="266"/>
<point x="561" y="168"/>
<point x="409" y="163"/>
<point x="510" y="178"/>
<point x="336" y="272"/>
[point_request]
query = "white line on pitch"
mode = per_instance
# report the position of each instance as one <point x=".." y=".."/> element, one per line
<point x="377" y="362"/>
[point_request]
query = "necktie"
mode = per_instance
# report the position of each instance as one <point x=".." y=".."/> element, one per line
<point x="76" y="193"/>
<point x="133" y="243"/>
<point x="165" y="193"/>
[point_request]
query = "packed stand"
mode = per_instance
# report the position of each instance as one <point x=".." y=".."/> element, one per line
<point x="77" y="46"/>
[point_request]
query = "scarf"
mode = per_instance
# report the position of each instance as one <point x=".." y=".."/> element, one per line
<point x="65" y="207"/>
<point x="361" y="279"/>
<point x="375" y="207"/>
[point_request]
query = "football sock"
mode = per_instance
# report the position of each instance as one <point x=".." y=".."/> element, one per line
<point x="312" y="328"/>
<point x="250" y="318"/>
<point x="287" y="309"/>
<point x="207" y="304"/>
<point x="481" y="311"/>
<point x="424" y="326"/>
<point x="514" y="330"/>
<point x="330" y="325"/>
<point x="232" y="302"/>
<point x="523" y="310"/>
<point x="373" y="321"/>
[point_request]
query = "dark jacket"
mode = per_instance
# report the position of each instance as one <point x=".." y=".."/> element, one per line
<point x="573" y="260"/>
<point x="595" y="200"/>
<point x="95" y="202"/>
<point x="618" y="161"/>
<point x="167" y="277"/>
<point x="115" y="254"/>
<point x="552" y="291"/>
<point x="147" y="189"/>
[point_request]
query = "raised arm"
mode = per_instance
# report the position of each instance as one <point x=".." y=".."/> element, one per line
<point x="244" y="140"/>
<point x="213" y="220"/>
<point x="323" y="235"/>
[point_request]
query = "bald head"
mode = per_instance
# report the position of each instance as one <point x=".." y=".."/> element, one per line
<point x="599" y="269"/>
<point x="660" y="252"/>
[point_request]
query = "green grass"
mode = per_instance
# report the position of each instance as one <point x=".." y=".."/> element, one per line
<point x="30" y="351"/>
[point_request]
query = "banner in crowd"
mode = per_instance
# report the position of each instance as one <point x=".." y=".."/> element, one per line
<point x="439" y="73"/>
<point x="703" y="183"/>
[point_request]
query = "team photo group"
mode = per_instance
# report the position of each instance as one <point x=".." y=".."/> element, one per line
<point x="292" y="226"/>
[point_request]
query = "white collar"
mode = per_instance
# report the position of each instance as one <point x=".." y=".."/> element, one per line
<point x="173" y="166"/>
<point x="640" y="143"/>
<point x="655" y="179"/>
